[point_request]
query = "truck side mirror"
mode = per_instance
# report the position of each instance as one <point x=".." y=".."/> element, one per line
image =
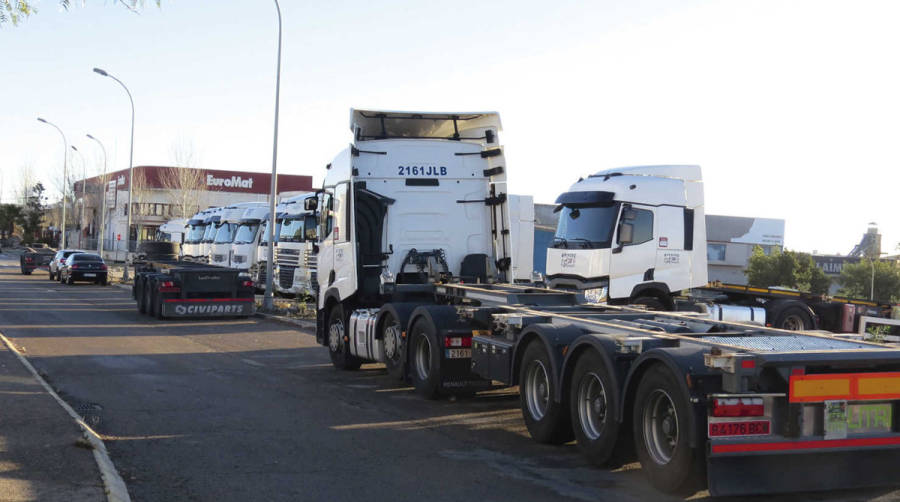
<point x="310" y="204"/>
<point x="626" y="233"/>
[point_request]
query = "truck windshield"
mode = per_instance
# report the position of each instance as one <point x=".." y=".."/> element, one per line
<point x="246" y="233"/>
<point x="210" y="233"/>
<point x="225" y="233"/>
<point x="585" y="227"/>
<point x="195" y="234"/>
<point x="292" y="230"/>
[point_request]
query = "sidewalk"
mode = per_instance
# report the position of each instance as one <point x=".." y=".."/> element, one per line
<point x="43" y="455"/>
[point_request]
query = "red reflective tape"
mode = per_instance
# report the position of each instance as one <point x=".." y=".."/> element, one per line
<point x="199" y="300"/>
<point x="748" y="364"/>
<point x="804" y="445"/>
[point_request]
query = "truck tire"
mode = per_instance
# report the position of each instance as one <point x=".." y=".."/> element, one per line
<point x="394" y="346"/>
<point x="425" y="359"/>
<point x="661" y="430"/>
<point x="148" y="297"/>
<point x="155" y="301"/>
<point x="546" y="417"/>
<point x="139" y="295"/>
<point x="794" y="318"/>
<point x="337" y="346"/>
<point x="594" y="408"/>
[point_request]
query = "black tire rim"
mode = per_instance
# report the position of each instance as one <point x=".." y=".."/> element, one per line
<point x="660" y="427"/>
<point x="592" y="406"/>
<point x="537" y="389"/>
<point x="793" y="322"/>
<point x="423" y="357"/>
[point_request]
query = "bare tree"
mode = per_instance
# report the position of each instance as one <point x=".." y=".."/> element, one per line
<point x="185" y="183"/>
<point x="141" y="191"/>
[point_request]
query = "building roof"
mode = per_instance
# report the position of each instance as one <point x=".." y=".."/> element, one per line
<point x="211" y="179"/>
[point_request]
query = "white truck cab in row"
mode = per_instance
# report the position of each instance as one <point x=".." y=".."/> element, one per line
<point x="295" y="253"/>
<point x="227" y="227"/>
<point x="634" y="235"/>
<point x="172" y="231"/>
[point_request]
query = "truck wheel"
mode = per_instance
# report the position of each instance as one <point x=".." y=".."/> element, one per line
<point x="425" y="359"/>
<point x="139" y="296"/>
<point x="337" y="346"/>
<point x="545" y="416"/>
<point x="594" y="406"/>
<point x="794" y="319"/>
<point x="156" y="302"/>
<point x="660" y="425"/>
<point x="394" y="346"/>
<point x="148" y="298"/>
<point x="25" y="271"/>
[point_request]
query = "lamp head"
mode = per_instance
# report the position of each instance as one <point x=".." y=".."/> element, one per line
<point x="41" y="120"/>
<point x="101" y="72"/>
<point x="89" y="136"/>
<point x="73" y="147"/>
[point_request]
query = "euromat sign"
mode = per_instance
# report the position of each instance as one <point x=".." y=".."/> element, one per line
<point x="232" y="182"/>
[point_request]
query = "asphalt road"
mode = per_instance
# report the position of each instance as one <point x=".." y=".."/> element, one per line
<point x="252" y="410"/>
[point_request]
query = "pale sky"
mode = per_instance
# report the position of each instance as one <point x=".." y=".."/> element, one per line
<point x="792" y="108"/>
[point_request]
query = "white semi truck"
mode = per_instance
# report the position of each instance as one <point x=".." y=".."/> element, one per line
<point x="414" y="271"/>
<point x="195" y="229"/>
<point x="295" y="254"/>
<point x="173" y="231"/>
<point x="637" y="235"/>
<point x="227" y="226"/>
<point x="247" y="237"/>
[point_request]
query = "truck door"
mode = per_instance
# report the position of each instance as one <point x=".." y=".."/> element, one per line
<point x="339" y="228"/>
<point x="633" y="255"/>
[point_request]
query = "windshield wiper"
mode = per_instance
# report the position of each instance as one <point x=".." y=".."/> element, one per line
<point x="586" y="242"/>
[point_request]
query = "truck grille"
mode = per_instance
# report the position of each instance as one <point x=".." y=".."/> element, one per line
<point x="288" y="257"/>
<point x="218" y="258"/>
<point x="286" y="276"/>
<point x="239" y="258"/>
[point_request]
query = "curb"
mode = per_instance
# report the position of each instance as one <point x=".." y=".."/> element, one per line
<point x="302" y="323"/>
<point x="115" y="488"/>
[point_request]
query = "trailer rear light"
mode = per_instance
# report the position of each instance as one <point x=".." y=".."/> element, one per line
<point x="29" y="259"/>
<point x="458" y="341"/>
<point x="247" y="284"/>
<point x="168" y="287"/>
<point x="739" y="407"/>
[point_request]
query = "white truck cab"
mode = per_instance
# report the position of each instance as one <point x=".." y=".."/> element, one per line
<point x="195" y="227"/>
<point x="295" y="256"/>
<point x="635" y="234"/>
<point x="417" y="199"/>
<point x="220" y="252"/>
<point x="172" y="231"/>
<point x="247" y="237"/>
<point x="211" y="222"/>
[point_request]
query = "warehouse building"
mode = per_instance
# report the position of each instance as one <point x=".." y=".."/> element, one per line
<point x="160" y="194"/>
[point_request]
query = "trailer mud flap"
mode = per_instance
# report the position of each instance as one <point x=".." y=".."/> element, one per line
<point x="753" y="474"/>
<point x="210" y="308"/>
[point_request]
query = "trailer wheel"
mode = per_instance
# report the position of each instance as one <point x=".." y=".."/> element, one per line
<point x="794" y="319"/>
<point x="594" y="408"/>
<point x="139" y="293"/>
<point x="426" y="359"/>
<point x="545" y="416"/>
<point x="394" y="346"/>
<point x="337" y="346"/>
<point x="155" y="302"/>
<point x="660" y="425"/>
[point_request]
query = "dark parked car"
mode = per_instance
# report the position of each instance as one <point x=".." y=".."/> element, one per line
<point x="83" y="267"/>
<point x="57" y="260"/>
<point x="35" y="256"/>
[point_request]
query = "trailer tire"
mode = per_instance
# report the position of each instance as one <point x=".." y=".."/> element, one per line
<point x="395" y="343"/>
<point x="425" y="359"/>
<point x="594" y="408"/>
<point x="139" y="293"/>
<point x="155" y="302"/>
<point x="794" y="319"/>
<point x="546" y="417"/>
<point x="337" y="346"/>
<point x="661" y="432"/>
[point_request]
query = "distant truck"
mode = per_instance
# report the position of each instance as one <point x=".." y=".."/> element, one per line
<point x="637" y="235"/>
<point x="172" y="231"/>
<point x="295" y="254"/>
<point x="165" y="286"/>
<point x="211" y="227"/>
<point x="221" y="249"/>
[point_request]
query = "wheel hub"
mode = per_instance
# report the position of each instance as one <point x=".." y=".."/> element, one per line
<point x="336" y="336"/>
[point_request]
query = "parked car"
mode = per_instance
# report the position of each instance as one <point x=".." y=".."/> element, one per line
<point x="83" y="267"/>
<point x="57" y="260"/>
<point x="35" y="256"/>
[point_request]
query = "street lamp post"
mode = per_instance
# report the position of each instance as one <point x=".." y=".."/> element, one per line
<point x="62" y="244"/>
<point x="81" y="222"/>
<point x="102" y="198"/>
<point x="130" y="169"/>
<point x="270" y="249"/>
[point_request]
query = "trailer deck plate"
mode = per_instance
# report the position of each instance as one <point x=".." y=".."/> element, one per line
<point x="786" y="343"/>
